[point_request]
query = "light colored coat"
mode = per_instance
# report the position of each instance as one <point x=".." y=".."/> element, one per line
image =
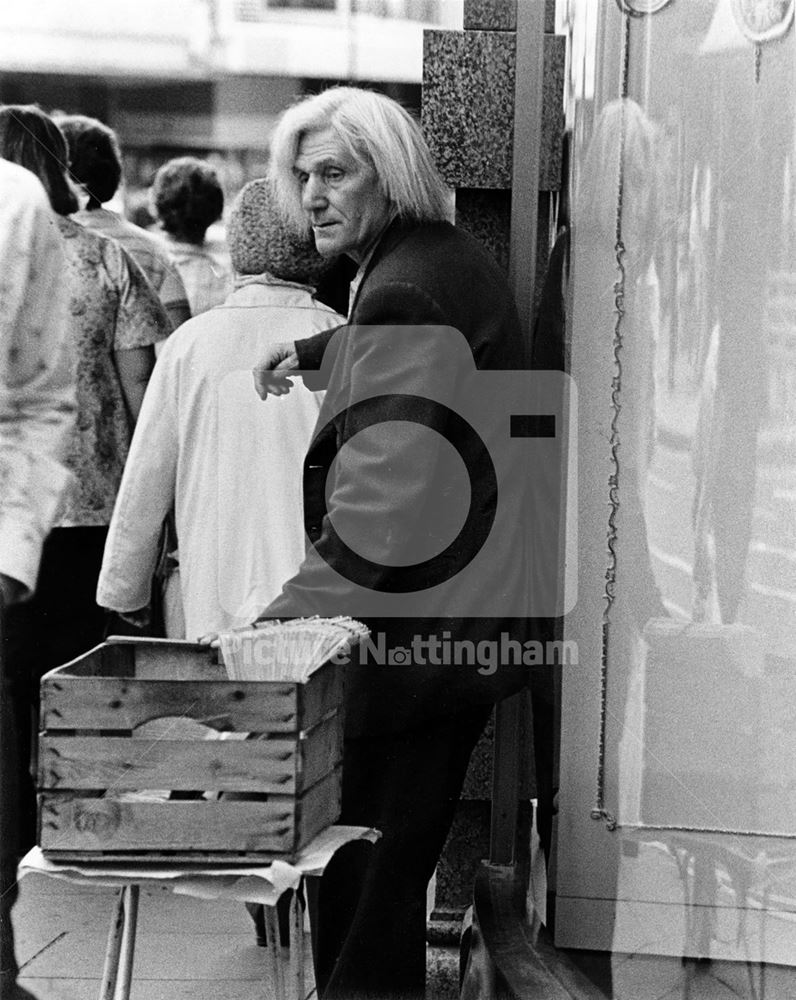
<point x="37" y="372"/>
<point x="229" y="462"/>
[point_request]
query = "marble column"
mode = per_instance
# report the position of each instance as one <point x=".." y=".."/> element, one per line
<point x="468" y="119"/>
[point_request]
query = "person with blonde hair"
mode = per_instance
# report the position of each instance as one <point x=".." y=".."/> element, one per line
<point x="372" y="129"/>
<point x="428" y="307"/>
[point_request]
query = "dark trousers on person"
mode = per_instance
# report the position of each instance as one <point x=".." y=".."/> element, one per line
<point x="58" y="623"/>
<point x="370" y="911"/>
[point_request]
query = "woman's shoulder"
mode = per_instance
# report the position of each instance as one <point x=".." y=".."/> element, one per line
<point x="83" y="246"/>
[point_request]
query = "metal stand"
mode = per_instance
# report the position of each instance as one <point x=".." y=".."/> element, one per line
<point x="117" y="972"/>
<point x="284" y="974"/>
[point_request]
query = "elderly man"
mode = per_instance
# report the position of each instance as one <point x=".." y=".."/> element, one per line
<point x="394" y="464"/>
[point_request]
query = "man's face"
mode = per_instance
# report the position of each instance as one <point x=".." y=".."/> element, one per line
<point x="341" y="196"/>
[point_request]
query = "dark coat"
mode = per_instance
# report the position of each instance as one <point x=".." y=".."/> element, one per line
<point x="398" y="492"/>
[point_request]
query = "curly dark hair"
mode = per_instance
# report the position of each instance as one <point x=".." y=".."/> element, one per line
<point x="30" y="138"/>
<point x="95" y="160"/>
<point x="188" y="198"/>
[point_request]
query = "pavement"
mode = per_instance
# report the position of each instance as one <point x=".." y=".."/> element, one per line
<point x="186" y="948"/>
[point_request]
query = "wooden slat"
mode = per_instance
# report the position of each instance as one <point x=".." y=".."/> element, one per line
<point x="322" y="693"/>
<point x="99" y="660"/>
<point x="110" y="703"/>
<point x="219" y="858"/>
<point x="122" y="685"/>
<point x="126" y="656"/>
<point x="319" y="807"/>
<point x="95" y="762"/>
<point x="155" y="659"/>
<point x="176" y="661"/>
<point x="284" y="765"/>
<point x="321" y="751"/>
<point x="72" y="824"/>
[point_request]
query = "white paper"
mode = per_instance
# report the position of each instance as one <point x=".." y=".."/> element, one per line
<point x="248" y="883"/>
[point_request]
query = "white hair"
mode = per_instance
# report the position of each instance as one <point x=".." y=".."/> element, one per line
<point x="377" y="132"/>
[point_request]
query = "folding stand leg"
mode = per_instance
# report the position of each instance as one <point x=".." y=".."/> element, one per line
<point x="111" y="968"/>
<point x="121" y="946"/>
<point x="274" y="966"/>
<point x="128" y="942"/>
<point x="296" y="959"/>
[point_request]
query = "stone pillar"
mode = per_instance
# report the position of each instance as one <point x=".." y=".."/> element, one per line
<point x="468" y="119"/>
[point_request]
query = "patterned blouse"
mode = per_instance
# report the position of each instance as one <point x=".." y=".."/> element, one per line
<point x="149" y="253"/>
<point x="112" y="307"/>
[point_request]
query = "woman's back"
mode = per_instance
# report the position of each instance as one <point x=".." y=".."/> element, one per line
<point x="112" y="308"/>
<point x="205" y="270"/>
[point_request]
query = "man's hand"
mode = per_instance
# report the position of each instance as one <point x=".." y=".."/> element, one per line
<point x="270" y="376"/>
<point x="10" y="589"/>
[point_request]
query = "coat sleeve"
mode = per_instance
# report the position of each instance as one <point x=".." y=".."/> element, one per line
<point x="315" y="357"/>
<point x="37" y="378"/>
<point x="380" y="417"/>
<point x="145" y="496"/>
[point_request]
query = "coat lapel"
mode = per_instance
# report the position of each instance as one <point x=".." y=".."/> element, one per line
<point x="390" y="238"/>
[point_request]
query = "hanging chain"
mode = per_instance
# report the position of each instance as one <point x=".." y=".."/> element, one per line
<point x="758" y="61"/>
<point x="599" y="811"/>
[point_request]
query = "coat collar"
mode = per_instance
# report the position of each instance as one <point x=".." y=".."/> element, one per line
<point x="394" y="234"/>
<point x="264" y="278"/>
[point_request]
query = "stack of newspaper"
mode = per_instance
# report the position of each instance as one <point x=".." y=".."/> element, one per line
<point x="289" y="650"/>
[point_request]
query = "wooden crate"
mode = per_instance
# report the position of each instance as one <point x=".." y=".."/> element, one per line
<point x="122" y="721"/>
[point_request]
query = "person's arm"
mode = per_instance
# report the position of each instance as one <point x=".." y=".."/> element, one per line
<point x="135" y="368"/>
<point x="174" y="297"/>
<point x="37" y="380"/>
<point x="380" y="477"/>
<point x="271" y="374"/>
<point x="141" y="323"/>
<point x="312" y="355"/>
<point x="178" y="313"/>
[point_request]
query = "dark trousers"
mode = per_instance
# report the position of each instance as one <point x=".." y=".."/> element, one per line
<point x="370" y="927"/>
<point x="58" y="623"/>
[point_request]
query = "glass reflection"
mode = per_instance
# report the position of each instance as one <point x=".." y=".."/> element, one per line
<point x="683" y="344"/>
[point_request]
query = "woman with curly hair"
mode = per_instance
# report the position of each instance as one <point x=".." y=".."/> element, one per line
<point x="187" y="197"/>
